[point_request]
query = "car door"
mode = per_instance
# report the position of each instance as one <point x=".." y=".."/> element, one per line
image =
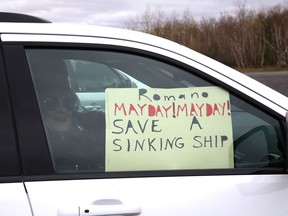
<point x="183" y="143"/>
<point x="13" y="196"/>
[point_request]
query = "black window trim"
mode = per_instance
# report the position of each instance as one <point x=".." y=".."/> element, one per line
<point x="10" y="157"/>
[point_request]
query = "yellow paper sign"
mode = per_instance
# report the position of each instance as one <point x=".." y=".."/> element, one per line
<point x="168" y="129"/>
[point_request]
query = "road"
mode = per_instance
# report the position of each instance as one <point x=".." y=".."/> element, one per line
<point x="276" y="80"/>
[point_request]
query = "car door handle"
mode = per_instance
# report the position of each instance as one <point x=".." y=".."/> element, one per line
<point x="95" y="210"/>
<point x="91" y="210"/>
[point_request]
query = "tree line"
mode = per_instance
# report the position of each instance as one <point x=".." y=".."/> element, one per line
<point x="244" y="39"/>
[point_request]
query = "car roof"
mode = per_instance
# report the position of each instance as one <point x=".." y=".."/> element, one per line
<point x="63" y="29"/>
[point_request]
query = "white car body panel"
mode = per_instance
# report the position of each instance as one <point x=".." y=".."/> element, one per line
<point x="199" y="195"/>
<point x="223" y="195"/>
<point x="14" y="200"/>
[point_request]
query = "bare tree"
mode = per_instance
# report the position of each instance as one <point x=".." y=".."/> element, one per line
<point x="245" y="39"/>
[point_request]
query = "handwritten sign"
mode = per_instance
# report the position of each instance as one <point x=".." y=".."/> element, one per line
<point x="168" y="129"/>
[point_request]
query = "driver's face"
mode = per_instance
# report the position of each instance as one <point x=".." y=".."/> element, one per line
<point x="58" y="108"/>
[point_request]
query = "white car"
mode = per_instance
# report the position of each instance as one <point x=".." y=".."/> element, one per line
<point x="179" y="133"/>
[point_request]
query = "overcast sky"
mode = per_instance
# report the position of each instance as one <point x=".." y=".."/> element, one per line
<point x="116" y="13"/>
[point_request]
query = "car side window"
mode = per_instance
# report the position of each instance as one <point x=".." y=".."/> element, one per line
<point x="109" y="111"/>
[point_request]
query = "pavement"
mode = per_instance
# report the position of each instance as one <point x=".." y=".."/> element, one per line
<point x="277" y="80"/>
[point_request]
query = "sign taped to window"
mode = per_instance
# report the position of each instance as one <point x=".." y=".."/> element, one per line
<point x="168" y="129"/>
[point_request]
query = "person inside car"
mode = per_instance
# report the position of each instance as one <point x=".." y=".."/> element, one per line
<point x="72" y="146"/>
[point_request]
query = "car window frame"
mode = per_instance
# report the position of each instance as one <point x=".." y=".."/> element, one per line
<point x="10" y="164"/>
<point x="33" y="172"/>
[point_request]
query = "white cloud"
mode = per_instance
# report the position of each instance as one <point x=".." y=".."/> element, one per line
<point x="117" y="12"/>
